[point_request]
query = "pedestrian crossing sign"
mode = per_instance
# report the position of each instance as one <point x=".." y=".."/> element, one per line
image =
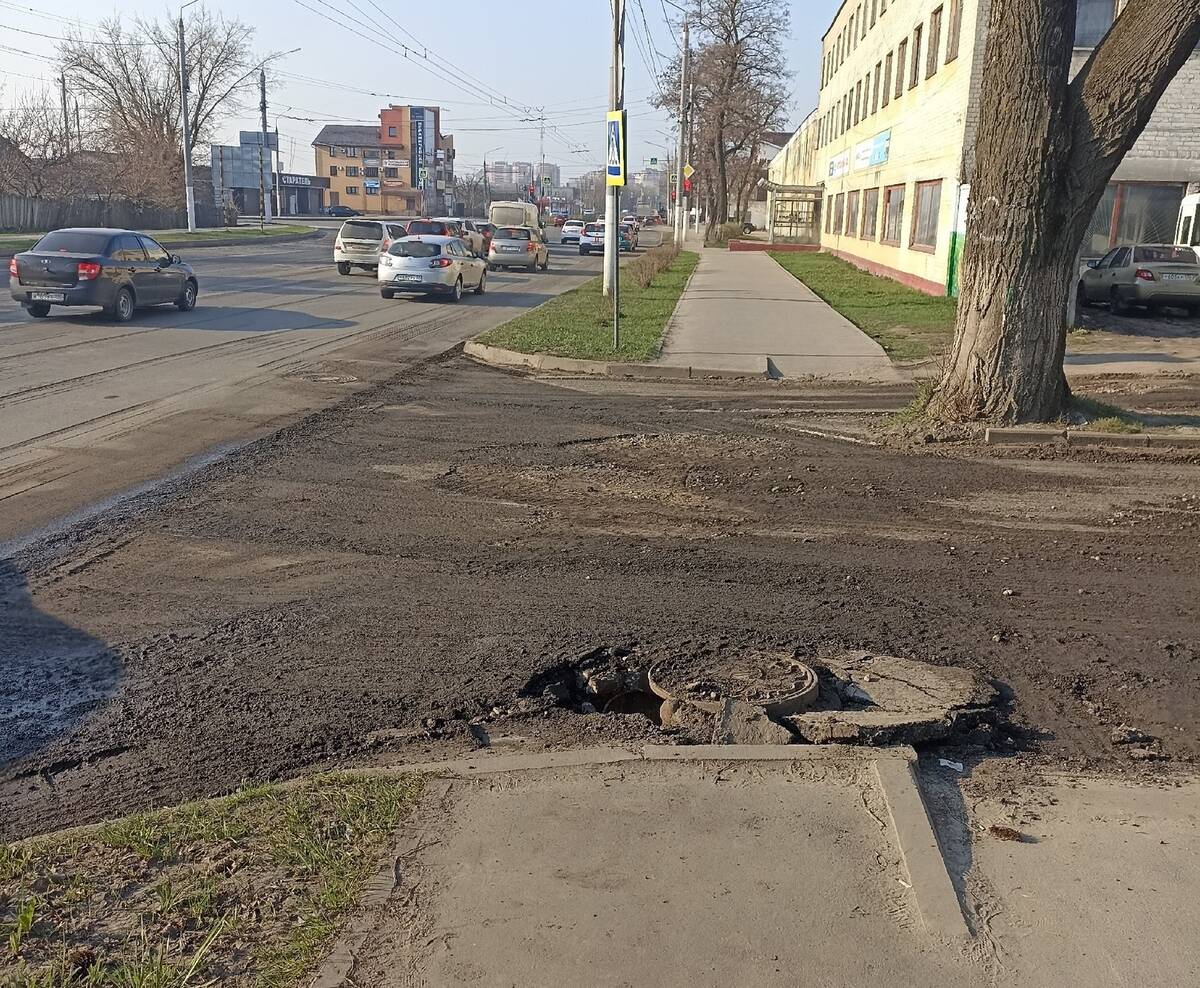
<point x="615" y="163"/>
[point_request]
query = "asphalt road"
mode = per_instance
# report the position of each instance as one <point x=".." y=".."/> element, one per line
<point x="89" y="408"/>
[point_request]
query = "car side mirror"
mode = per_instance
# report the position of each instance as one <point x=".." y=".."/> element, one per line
<point x="175" y="259"/>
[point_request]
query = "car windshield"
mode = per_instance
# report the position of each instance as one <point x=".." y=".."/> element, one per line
<point x="511" y="233"/>
<point x="414" y="248"/>
<point x="359" y="230"/>
<point x="594" y="228"/>
<point x="1164" y="254"/>
<point x="427" y="226"/>
<point x="68" y="242"/>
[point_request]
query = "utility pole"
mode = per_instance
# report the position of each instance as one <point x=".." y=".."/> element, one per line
<point x="262" y="150"/>
<point x="612" y="210"/>
<point x="541" y="182"/>
<point x="684" y="69"/>
<point x="279" y="174"/>
<point x="62" y="79"/>
<point x="189" y="192"/>
<point x="687" y="200"/>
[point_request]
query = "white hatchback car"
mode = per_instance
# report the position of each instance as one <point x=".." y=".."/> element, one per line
<point x="592" y="238"/>
<point x="431" y="266"/>
<point x="572" y="230"/>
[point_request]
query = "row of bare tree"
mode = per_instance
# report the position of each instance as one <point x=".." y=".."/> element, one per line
<point x="739" y="90"/>
<point x="118" y="132"/>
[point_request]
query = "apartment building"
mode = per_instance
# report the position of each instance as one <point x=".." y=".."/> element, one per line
<point x="403" y="167"/>
<point x="895" y="128"/>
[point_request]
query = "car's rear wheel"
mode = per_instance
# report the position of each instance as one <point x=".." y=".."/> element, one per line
<point x="386" y="293"/>
<point x="584" y="250"/>
<point x="1117" y="304"/>
<point x="343" y="267"/>
<point x="187" y="301"/>
<point x="1081" y="299"/>
<point x="39" y="310"/>
<point x="121" y="309"/>
<point x="532" y="266"/>
<point x="482" y="286"/>
<point x="456" y="292"/>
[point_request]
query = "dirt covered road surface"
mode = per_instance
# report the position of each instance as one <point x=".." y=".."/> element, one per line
<point x="397" y="577"/>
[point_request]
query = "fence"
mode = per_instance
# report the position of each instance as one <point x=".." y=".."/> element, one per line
<point x="22" y="214"/>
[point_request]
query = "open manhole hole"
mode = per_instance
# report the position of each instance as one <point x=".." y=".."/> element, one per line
<point x="772" y="697"/>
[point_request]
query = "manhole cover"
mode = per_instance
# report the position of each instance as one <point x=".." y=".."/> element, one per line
<point x="779" y="683"/>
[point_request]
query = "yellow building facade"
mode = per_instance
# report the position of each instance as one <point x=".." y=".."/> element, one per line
<point x="892" y="123"/>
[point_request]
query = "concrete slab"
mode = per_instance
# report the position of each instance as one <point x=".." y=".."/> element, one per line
<point x="1100" y="890"/>
<point x="741" y="308"/>
<point x="666" y="872"/>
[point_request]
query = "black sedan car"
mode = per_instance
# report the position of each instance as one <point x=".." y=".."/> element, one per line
<point x="116" y="270"/>
<point x="341" y="211"/>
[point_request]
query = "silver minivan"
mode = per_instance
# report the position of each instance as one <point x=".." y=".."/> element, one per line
<point x="360" y="242"/>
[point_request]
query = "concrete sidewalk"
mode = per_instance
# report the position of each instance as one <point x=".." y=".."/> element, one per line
<point x="741" y="310"/>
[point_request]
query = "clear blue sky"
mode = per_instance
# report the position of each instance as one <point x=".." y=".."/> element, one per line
<point x="558" y="60"/>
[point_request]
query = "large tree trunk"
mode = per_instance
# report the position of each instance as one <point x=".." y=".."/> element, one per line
<point x="1046" y="150"/>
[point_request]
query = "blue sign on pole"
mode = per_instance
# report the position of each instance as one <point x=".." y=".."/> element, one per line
<point x="615" y="162"/>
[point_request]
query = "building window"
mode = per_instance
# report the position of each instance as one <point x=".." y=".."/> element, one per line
<point x="893" y="214"/>
<point x="372" y="190"/>
<point x="915" y="75"/>
<point x="829" y="215"/>
<point x="351" y="190"/>
<point x="870" y="213"/>
<point x="1093" y="18"/>
<point x="901" y="65"/>
<point x="875" y="91"/>
<point x="953" y="30"/>
<point x="853" y="33"/>
<point x="874" y="11"/>
<point x="862" y="22"/>
<point x="858" y="102"/>
<point x="882" y="7"/>
<point x="352" y="171"/>
<point x="391" y="131"/>
<point x="887" y="79"/>
<point x="333" y="152"/>
<point x="926" y="206"/>
<point x="350" y="152"/>
<point x="852" y="214"/>
<point x="333" y="170"/>
<point x="935" y="42"/>
<point x="391" y="173"/>
<point x="839" y="214"/>
<point x="370" y="173"/>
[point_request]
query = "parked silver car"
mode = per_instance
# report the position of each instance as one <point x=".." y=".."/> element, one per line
<point x="519" y="247"/>
<point x="431" y="266"/>
<point x="360" y="242"/>
<point x="1151" y="275"/>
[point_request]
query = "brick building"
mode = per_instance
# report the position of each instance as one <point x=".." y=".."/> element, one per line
<point x="892" y="140"/>
<point x="403" y="167"/>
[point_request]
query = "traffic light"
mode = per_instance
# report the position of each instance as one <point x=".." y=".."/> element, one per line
<point x="672" y="195"/>
<point x="687" y="185"/>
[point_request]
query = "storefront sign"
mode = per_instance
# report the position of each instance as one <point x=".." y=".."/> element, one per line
<point x="371" y="184"/>
<point x="873" y="152"/>
<point x="418" y="147"/>
<point x="303" y="181"/>
<point x="839" y="165"/>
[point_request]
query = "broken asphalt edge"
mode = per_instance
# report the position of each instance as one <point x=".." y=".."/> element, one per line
<point x="1076" y="437"/>
<point x="895" y="770"/>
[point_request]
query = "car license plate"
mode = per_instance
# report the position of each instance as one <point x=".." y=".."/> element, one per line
<point x="408" y="277"/>
<point x="510" y="250"/>
<point x="47" y="297"/>
<point x="1178" y="277"/>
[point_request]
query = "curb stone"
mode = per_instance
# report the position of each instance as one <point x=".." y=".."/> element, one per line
<point x="1081" y="438"/>
<point x="546" y="363"/>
